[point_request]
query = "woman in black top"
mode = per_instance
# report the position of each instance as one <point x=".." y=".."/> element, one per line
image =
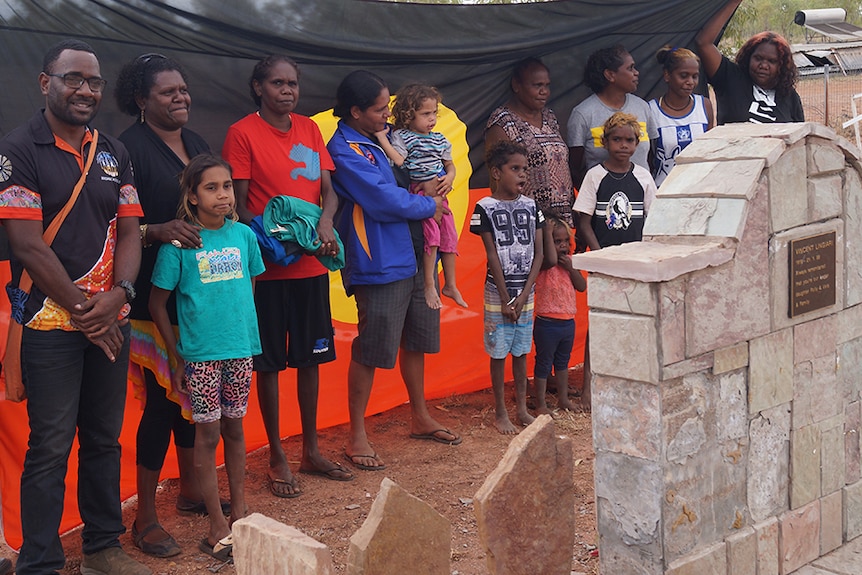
<point x="152" y="88"/>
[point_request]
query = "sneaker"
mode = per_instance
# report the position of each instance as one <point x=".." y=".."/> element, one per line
<point x="112" y="561"/>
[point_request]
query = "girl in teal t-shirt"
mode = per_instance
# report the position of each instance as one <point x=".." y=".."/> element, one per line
<point x="218" y="334"/>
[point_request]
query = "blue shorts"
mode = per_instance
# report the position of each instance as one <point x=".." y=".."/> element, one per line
<point x="502" y="336"/>
<point x="554" y="340"/>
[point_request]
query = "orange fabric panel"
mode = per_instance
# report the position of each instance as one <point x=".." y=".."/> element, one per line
<point x="461" y="367"/>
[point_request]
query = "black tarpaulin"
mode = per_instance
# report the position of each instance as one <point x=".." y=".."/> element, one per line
<point x="467" y="51"/>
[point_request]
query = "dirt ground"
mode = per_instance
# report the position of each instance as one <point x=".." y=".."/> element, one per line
<point x="446" y="477"/>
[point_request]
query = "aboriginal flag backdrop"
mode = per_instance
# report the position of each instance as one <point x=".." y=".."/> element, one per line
<point x="466" y="51"/>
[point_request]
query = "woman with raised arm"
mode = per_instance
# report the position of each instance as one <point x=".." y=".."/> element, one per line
<point x="759" y="87"/>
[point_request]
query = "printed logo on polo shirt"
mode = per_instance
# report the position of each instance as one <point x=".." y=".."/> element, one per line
<point x="108" y="163"/>
<point x="5" y="168"/>
<point x="219" y="265"/>
<point x="619" y="212"/>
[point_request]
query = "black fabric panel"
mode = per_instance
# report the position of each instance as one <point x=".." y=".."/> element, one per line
<point x="466" y="51"/>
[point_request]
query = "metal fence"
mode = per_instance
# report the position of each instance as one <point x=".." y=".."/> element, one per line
<point x="827" y="98"/>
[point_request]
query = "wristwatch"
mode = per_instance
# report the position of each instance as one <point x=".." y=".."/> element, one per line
<point x="129" y="288"/>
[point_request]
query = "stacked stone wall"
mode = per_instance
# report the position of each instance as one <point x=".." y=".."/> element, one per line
<point x="727" y="431"/>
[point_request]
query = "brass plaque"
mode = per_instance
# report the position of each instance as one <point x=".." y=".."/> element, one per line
<point x="812" y="273"/>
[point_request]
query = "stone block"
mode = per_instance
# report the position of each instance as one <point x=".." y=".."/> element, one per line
<point x="852" y="455"/>
<point x="844" y="561"/>
<point x="779" y="270"/>
<point x="767" y="546"/>
<point x="626" y="417"/>
<point x="732" y="407"/>
<point x="713" y="217"/>
<point x="688" y="366"/>
<point x="400" y="532"/>
<point x="825" y="197"/>
<point x="622" y="295"/>
<point x="730" y="304"/>
<point x="770" y="367"/>
<point x="263" y="545"/>
<point x="790" y="133"/>
<point x="624" y="346"/>
<point x="742" y="552"/>
<point x="726" y="150"/>
<point x="628" y="513"/>
<point x="832" y="465"/>
<point x="817" y="396"/>
<point x="727" y="179"/>
<point x="804" y="465"/>
<point x="526" y="531"/>
<point x="831" y="528"/>
<point x="852" y="511"/>
<point x="769" y="463"/>
<point x="730" y="358"/>
<point x="823" y="157"/>
<point x="849" y="324"/>
<point x="788" y="190"/>
<point x="849" y="369"/>
<point x="711" y="560"/>
<point x="800" y="537"/>
<point x="687" y="408"/>
<point x="672" y="321"/>
<point x="814" y="338"/>
<point x="853" y="231"/>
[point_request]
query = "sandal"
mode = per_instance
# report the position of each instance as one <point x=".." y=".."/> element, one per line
<point x="164" y="547"/>
<point x="223" y="550"/>
<point x="188" y="507"/>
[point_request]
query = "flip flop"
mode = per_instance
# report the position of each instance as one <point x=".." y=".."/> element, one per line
<point x="336" y="473"/>
<point x="274" y="481"/>
<point x="362" y="466"/>
<point x="223" y="550"/>
<point x="434" y="437"/>
<point x="164" y="547"/>
<point x="190" y="507"/>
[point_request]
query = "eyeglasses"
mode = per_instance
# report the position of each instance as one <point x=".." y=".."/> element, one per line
<point x="75" y="81"/>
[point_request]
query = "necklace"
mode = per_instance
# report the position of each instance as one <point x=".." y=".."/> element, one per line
<point x="622" y="177"/>
<point x="687" y="104"/>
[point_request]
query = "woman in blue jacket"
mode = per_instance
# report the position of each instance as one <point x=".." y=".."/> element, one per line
<point x="380" y="225"/>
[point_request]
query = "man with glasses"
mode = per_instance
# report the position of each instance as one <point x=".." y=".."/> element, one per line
<point x="74" y="348"/>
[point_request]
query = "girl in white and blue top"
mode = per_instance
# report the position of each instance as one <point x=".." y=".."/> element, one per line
<point x="680" y="115"/>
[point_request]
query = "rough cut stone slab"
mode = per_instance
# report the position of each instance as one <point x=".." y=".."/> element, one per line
<point x="400" y="533"/>
<point x="767" y="546"/>
<point x="770" y="380"/>
<point x="788" y="190"/>
<point x="853" y="511"/>
<point x="628" y="513"/>
<point x="730" y="304"/>
<point x="823" y="157"/>
<point x="727" y="179"/>
<point x="620" y="428"/>
<point x="769" y="463"/>
<point x="853" y="231"/>
<point x="708" y="217"/>
<point x="742" y="552"/>
<point x="672" y="320"/>
<point x="849" y="369"/>
<point x="814" y="338"/>
<point x="788" y="133"/>
<point x="800" y="537"/>
<point x="825" y="197"/>
<point x="832" y="455"/>
<point x="688" y="366"/>
<point x="732" y="407"/>
<point x="831" y="531"/>
<point x="804" y="465"/>
<point x="852" y="459"/>
<point x="264" y="545"/>
<point x="846" y="561"/>
<point x="622" y="295"/>
<point x="849" y="322"/>
<point x="709" y="561"/>
<point x="653" y="261"/>
<point x="817" y="396"/>
<point x="526" y="508"/>
<point x="624" y="346"/>
<point x="724" y="150"/>
<point x="730" y="358"/>
<point x="779" y="269"/>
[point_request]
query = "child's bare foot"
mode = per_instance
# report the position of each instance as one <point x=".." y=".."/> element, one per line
<point x="565" y="403"/>
<point x="545" y="410"/>
<point x="432" y="298"/>
<point x="453" y="293"/>
<point x="525" y="418"/>
<point x="505" y="425"/>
